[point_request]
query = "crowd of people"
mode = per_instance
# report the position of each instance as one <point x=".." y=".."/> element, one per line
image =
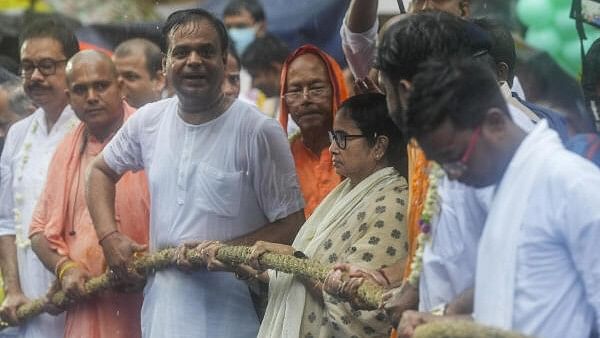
<point x="429" y="175"/>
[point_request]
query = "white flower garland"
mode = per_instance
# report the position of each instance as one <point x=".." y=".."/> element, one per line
<point x="22" y="241"/>
<point x="430" y="209"/>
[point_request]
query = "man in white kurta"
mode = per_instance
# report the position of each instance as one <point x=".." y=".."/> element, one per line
<point x="29" y="147"/>
<point x="537" y="265"/>
<point x="229" y="177"/>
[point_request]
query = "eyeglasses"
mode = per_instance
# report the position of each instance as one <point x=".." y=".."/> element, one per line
<point x="341" y="138"/>
<point x="295" y="96"/>
<point x="457" y="168"/>
<point x="45" y="66"/>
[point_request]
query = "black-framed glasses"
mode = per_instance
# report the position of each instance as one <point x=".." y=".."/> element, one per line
<point x="45" y="66"/>
<point x="341" y="138"/>
<point x="295" y="96"/>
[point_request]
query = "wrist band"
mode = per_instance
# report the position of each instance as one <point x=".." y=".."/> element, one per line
<point x="106" y="236"/>
<point x="58" y="264"/>
<point x="68" y="265"/>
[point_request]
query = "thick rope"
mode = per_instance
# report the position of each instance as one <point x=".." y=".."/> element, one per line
<point x="461" y="329"/>
<point x="147" y="264"/>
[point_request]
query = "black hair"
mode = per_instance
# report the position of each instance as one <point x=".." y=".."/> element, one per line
<point x="424" y="35"/>
<point x="370" y="114"/>
<point x="182" y="17"/>
<point x="461" y="90"/>
<point x="7" y="76"/>
<point x="234" y="54"/>
<point x="264" y="51"/>
<point x="151" y="51"/>
<point x="54" y="28"/>
<point x="235" y="7"/>
<point x="503" y="44"/>
<point x="18" y="101"/>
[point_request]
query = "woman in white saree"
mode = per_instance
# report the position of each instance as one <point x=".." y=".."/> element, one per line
<point x="362" y="222"/>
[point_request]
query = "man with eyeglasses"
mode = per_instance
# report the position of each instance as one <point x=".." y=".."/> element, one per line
<point x="45" y="46"/>
<point x="312" y="89"/>
<point x="537" y="264"/>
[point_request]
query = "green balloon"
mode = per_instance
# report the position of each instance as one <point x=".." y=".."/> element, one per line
<point x="544" y="39"/>
<point x="559" y="3"/>
<point x="571" y="53"/>
<point x="564" y="24"/>
<point x="535" y="13"/>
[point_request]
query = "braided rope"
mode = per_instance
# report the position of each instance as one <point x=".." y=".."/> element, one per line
<point x="147" y="264"/>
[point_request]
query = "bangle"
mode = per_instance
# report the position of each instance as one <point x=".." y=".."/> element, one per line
<point x="59" y="263"/>
<point x="106" y="236"/>
<point x="68" y="265"/>
<point x="382" y="273"/>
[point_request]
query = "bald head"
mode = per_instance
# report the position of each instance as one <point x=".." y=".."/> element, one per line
<point x="88" y="58"/>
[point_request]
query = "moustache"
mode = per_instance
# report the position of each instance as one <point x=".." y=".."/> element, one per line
<point x="37" y="86"/>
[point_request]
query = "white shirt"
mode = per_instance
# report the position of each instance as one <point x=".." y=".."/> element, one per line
<point x="557" y="285"/>
<point x="449" y="260"/>
<point x="23" y="167"/>
<point x="218" y="180"/>
<point x="359" y="49"/>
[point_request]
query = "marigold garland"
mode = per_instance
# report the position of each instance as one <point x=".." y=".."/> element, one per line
<point x="146" y="264"/>
<point x="430" y="210"/>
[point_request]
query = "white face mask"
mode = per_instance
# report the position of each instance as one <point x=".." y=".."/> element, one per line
<point x="242" y="38"/>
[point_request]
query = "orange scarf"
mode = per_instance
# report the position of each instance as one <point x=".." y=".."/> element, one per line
<point x="336" y="77"/>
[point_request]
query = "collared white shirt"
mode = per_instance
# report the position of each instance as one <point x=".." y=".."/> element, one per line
<point x="218" y="180"/>
<point x="23" y="167"/>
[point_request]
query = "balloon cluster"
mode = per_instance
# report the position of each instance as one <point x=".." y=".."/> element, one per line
<point x="550" y="28"/>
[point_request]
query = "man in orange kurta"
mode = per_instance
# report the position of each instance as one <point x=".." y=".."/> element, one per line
<point x="311" y="97"/>
<point x="62" y="232"/>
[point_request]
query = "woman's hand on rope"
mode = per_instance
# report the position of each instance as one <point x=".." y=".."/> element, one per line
<point x="343" y="285"/>
<point x="344" y="280"/>
<point x="119" y="251"/>
<point x="260" y="248"/>
<point x="8" y="311"/>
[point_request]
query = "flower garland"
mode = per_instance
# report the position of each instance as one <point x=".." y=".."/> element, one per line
<point x="430" y="209"/>
<point x="22" y="241"/>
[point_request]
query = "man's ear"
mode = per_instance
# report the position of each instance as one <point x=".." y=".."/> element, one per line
<point x="159" y="81"/>
<point x="502" y="71"/>
<point x="261" y="28"/>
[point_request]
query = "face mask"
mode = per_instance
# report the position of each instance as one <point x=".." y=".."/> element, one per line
<point x="242" y="38"/>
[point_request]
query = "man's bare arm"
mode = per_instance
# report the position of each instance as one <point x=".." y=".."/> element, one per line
<point x="100" y="196"/>
<point x="281" y="231"/>
<point x="9" y="265"/>
<point x="361" y="15"/>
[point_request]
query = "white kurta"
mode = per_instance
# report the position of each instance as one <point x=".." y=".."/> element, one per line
<point x="218" y="180"/>
<point x="449" y="261"/>
<point x="23" y="167"/>
<point x="556" y="286"/>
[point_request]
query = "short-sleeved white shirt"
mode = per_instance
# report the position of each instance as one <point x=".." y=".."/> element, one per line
<point x="218" y="180"/>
